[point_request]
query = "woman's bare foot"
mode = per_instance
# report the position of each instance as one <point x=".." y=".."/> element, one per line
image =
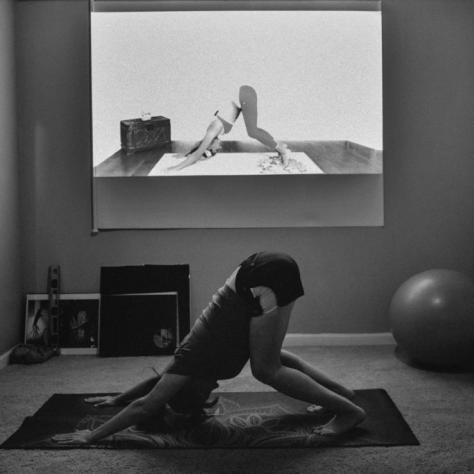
<point x="284" y="153"/>
<point x="345" y="392"/>
<point x="341" y="423"/>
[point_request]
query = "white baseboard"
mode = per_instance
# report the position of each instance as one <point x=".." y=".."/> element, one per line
<point x="370" y="339"/>
<point x="78" y="351"/>
<point x="5" y="358"/>
<point x="291" y="340"/>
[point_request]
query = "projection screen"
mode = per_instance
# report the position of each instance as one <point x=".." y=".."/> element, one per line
<point x="236" y="114"/>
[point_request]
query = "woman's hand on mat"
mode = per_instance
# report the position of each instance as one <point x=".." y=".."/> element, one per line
<point x="102" y="401"/>
<point x="78" y="437"/>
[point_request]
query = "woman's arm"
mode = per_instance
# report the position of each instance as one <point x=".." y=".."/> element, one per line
<point x="138" y="411"/>
<point x="139" y="390"/>
<point x="214" y="129"/>
<point x="266" y="336"/>
<point x="124" y="398"/>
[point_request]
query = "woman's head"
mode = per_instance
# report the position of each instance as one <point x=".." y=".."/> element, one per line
<point x="215" y="146"/>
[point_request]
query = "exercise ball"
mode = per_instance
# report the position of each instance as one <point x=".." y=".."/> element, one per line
<point x="432" y="319"/>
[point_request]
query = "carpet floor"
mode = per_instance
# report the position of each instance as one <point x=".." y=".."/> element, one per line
<point x="439" y="407"/>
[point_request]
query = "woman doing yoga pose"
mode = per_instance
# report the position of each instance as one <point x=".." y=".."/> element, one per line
<point x="246" y="319"/>
<point x="222" y="123"/>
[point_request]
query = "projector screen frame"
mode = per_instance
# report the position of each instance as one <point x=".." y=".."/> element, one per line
<point x="356" y="199"/>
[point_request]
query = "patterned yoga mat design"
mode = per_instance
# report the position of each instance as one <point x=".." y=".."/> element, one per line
<point x="239" y="420"/>
<point x="230" y="425"/>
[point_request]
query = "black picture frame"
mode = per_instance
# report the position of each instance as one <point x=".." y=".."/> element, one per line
<point x="139" y="291"/>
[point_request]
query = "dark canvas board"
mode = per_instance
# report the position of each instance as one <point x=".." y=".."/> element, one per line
<point x="142" y="280"/>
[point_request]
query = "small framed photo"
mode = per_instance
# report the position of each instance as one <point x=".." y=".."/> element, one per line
<point x="37" y="319"/>
<point x="78" y="322"/>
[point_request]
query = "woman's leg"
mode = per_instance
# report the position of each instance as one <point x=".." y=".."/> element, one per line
<point x="291" y="360"/>
<point x="248" y="103"/>
<point x="266" y="337"/>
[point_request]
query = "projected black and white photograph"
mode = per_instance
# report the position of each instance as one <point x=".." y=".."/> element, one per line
<point x="79" y="321"/>
<point x="37" y="320"/>
<point x="225" y="93"/>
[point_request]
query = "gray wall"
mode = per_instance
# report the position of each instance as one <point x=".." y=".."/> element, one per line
<point x="349" y="273"/>
<point x="10" y="282"/>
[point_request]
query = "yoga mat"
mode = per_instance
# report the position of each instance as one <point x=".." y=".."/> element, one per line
<point x="239" y="420"/>
<point x="237" y="164"/>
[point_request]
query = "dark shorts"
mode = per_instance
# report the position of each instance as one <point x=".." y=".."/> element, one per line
<point x="277" y="271"/>
<point x="217" y="346"/>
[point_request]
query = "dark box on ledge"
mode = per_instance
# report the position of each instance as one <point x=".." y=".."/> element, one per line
<point x="139" y="135"/>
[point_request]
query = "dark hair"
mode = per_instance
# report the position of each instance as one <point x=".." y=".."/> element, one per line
<point x="213" y="152"/>
<point x="194" y="149"/>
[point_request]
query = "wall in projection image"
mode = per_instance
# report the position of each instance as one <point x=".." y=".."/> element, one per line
<point x="187" y="96"/>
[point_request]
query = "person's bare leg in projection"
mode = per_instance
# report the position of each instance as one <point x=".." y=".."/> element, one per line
<point x="249" y="105"/>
